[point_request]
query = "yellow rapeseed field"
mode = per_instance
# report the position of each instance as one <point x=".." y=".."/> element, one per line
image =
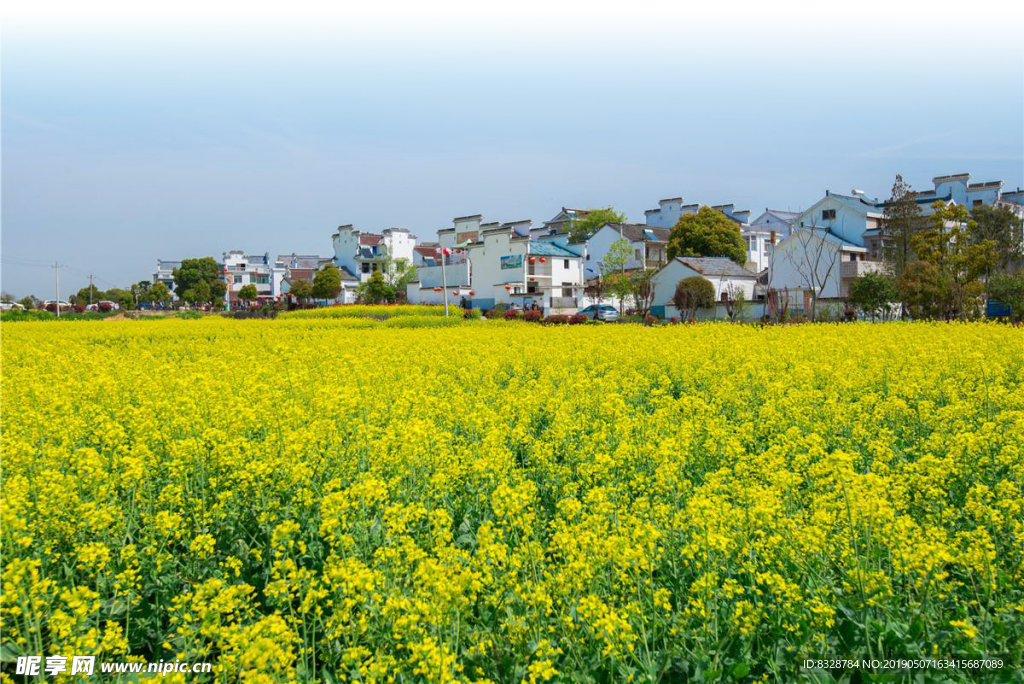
<point x="502" y="502"/>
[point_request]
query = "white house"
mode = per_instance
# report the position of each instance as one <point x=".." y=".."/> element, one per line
<point x="240" y="269"/>
<point x="764" y="231"/>
<point x="362" y="253"/>
<point x="815" y="262"/>
<point x="491" y="263"/>
<point x="165" y="274"/>
<point x="559" y="223"/>
<point x="728" y="278"/>
<point x="648" y="246"/>
<point x="840" y="237"/>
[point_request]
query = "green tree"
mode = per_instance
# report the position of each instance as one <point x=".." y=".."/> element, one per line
<point x="1008" y="289"/>
<point x="736" y="305"/>
<point x="83" y="296"/>
<point x="902" y="222"/>
<point x="642" y="289"/>
<point x="708" y="233"/>
<point x="397" y="274"/>
<point x="139" y="291"/>
<point x="1002" y="227"/>
<point x="327" y="282"/>
<point x="582" y="228"/>
<point x="203" y="270"/>
<point x="873" y="293"/>
<point x="248" y="294"/>
<point x="617" y="282"/>
<point x="198" y="294"/>
<point x="29" y="302"/>
<point x="6" y="297"/>
<point x="691" y="294"/>
<point x="946" y="246"/>
<point x="123" y="298"/>
<point x="301" y="289"/>
<point x="158" y="293"/>
<point x="924" y="290"/>
<point x="376" y="290"/>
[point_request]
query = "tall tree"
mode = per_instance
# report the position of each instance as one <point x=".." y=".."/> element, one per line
<point x="613" y="271"/>
<point x="708" y="233"/>
<point x="301" y="289"/>
<point x="248" y="293"/>
<point x="902" y="222"/>
<point x="814" y="257"/>
<point x="945" y="245"/>
<point x="375" y="290"/>
<point x="397" y="274"/>
<point x="924" y="290"/>
<point x="194" y="272"/>
<point x="89" y="294"/>
<point x="139" y="291"/>
<point x="642" y="289"/>
<point x="122" y="297"/>
<point x="1003" y="227"/>
<point x="327" y="282"/>
<point x="158" y="294"/>
<point x="582" y="228"/>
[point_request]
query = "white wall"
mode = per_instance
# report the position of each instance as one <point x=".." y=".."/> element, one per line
<point x="666" y="279"/>
<point x="488" y="277"/>
<point x="346" y="246"/>
<point x="849" y="223"/>
<point x="798" y="255"/>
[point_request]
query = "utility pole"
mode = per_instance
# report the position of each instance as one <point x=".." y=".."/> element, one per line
<point x="90" y="289"/>
<point x="56" y="288"/>
<point x="444" y="282"/>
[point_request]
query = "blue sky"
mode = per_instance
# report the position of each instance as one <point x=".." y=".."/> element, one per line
<point x="136" y="131"/>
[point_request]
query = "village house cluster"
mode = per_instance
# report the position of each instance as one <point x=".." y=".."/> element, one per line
<point x="482" y="264"/>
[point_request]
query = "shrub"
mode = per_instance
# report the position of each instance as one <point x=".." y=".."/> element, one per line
<point x="693" y="293"/>
<point x="873" y="293"/>
<point x="577" y="319"/>
<point x="1008" y="289"/>
<point x="651" y="320"/>
<point x="496" y="311"/>
<point x="265" y="312"/>
<point x="423" y="322"/>
<point x="513" y="315"/>
<point x="532" y="316"/>
<point x="380" y="312"/>
<point x="188" y="315"/>
<point x="557" y="319"/>
<point x="472" y="314"/>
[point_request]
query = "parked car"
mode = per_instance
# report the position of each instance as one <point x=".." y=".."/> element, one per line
<point x="51" y="305"/>
<point x="11" y="306"/>
<point x="107" y="305"/>
<point x="604" y="312"/>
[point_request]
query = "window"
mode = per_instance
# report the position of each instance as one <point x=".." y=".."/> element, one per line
<point x="565" y="263"/>
<point x="977" y="203"/>
<point x="828" y="214"/>
<point x="375" y="267"/>
<point x="588" y="256"/>
<point x="262" y="280"/>
<point x="637" y="252"/>
<point x="366" y="267"/>
<point x="567" y="292"/>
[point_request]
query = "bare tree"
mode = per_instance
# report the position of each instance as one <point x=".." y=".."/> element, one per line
<point x="814" y="252"/>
